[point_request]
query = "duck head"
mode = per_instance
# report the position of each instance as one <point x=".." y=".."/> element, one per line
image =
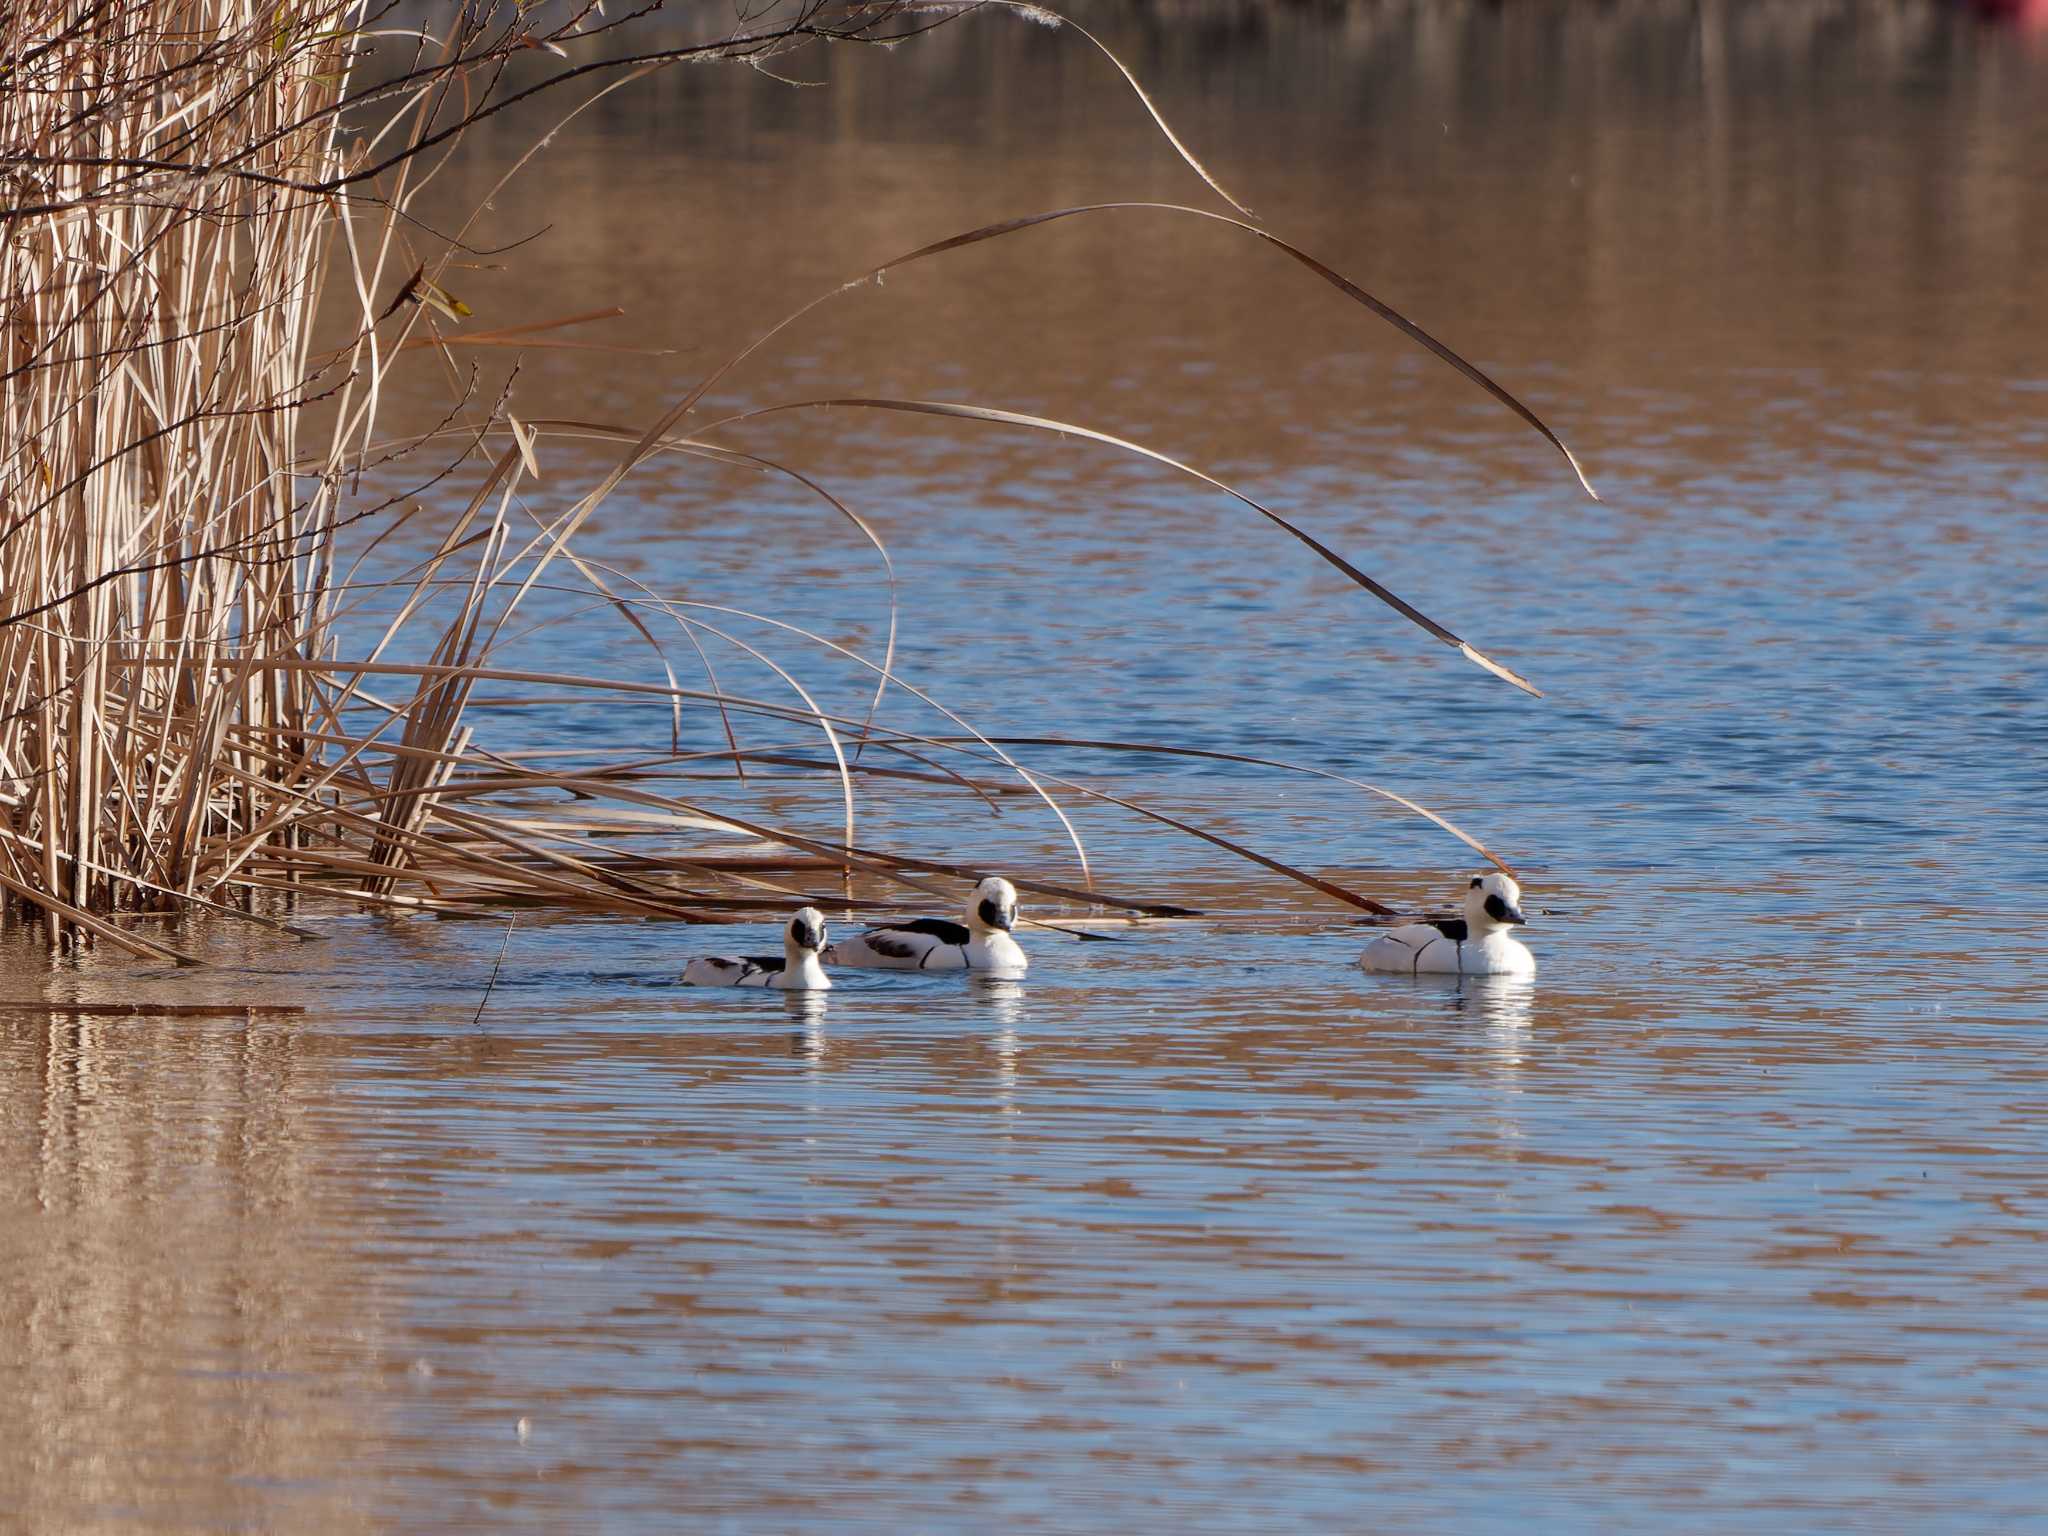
<point x="806" y="932"/>
<point x="992" y="906"/>
<point x="1493" y="902"/>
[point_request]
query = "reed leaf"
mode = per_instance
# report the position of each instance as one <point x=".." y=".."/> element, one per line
<point x="1069" y="429"/>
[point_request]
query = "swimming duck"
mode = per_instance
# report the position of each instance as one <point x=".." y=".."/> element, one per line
<point x="796" y="970"/>
<point x="982" y="943"/>
<point x="1477" y="944"/>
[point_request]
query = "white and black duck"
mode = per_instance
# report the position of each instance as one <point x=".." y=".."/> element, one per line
<point x="796" y="969"/>
<point x="982" y="943"/>
<point x="1481" y="943"/>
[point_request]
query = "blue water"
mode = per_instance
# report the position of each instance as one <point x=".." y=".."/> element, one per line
<point x="1732" y="1220"/>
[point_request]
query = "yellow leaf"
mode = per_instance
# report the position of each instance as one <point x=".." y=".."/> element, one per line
<point x="439" y="298"/>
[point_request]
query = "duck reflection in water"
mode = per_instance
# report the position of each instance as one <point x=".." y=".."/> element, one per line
<point x="1494" y="1015"/>
<point x="806" y="1012"/>
<point x="1503" y="1009"/>
<point x="1005" y="998"/>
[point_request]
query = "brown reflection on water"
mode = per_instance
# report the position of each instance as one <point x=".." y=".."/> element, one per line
<point x="1663" y="223"/>
<point x="1208" y="1230"/>
<point x="187" y="1322"/>
<point x="624" y="1254"/>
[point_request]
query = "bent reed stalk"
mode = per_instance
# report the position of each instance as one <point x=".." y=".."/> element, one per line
<point x="183" y="185"/>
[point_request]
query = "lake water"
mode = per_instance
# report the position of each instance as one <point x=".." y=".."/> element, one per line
<point x="1733" y="1220"/>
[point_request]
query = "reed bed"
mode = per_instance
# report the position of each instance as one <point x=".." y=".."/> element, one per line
<point x="187" y="185"/>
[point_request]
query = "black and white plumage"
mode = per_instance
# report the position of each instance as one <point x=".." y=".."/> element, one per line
<point x="795" y="970"/>
<point x="1477" y="944"/>
<point x="982" y="943"/>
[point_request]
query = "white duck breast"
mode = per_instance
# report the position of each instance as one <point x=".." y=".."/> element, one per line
<point x="982" y="943"/>
<point x="1478" y="944"/>
<point x="796" y="969"/>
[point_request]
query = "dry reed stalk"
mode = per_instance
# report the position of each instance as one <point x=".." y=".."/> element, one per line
<point x="183" y="184"/>
<point x="178" y="196"/>
<point x="153" y="375"/>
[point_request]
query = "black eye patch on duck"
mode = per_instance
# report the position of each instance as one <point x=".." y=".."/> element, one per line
<point x="1475" y="882"/>
<point x="992" y="913"/>
<point x="1495" y="908"/>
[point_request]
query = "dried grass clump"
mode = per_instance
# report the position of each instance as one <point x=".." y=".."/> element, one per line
<point x="154" y="542"/>
<point x="186" y="183"/>
<point x="178" y="191"/>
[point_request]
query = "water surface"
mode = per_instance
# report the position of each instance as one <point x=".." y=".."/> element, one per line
<point x="1732" y="1220"/>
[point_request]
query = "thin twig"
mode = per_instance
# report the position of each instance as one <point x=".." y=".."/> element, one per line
<point x="484" y="1002"/>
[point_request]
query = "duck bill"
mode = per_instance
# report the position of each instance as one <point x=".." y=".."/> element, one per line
<point x="1502" y="910"/>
